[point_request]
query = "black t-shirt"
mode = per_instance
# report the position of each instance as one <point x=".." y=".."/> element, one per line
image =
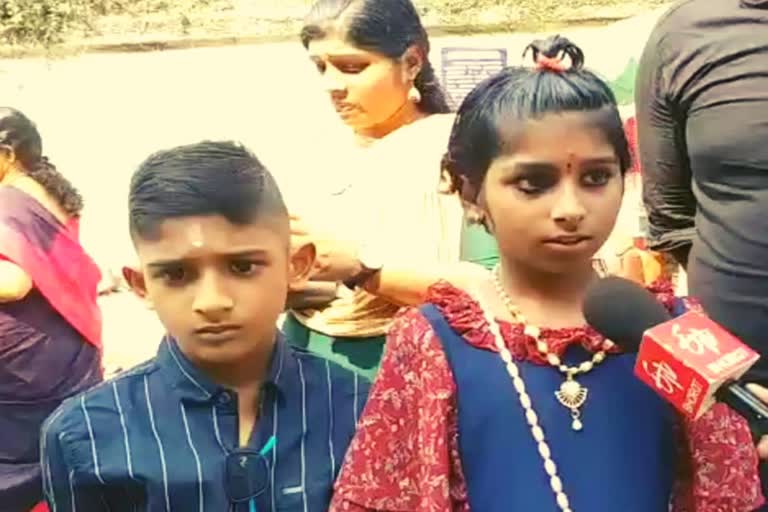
<point x="702" y="112"/>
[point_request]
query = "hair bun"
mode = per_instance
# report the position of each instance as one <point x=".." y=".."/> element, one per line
<point x="549" y="54"/>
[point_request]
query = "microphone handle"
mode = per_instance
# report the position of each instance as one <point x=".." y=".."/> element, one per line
<point x="746" y="404"/>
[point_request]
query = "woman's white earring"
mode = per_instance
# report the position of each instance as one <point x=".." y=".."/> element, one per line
<point x="414" y="95"/>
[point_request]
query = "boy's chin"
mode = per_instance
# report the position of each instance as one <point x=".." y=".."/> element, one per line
<point x="225" y="352"/>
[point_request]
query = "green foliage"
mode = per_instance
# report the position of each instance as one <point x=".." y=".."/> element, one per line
<point x="48" y="22"/>
<point x="41" y="22"/>
<point x="30" y="23"/>
<point x="624" y="85"/>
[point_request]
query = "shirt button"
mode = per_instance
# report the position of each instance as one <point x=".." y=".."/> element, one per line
<point x="224" y="398"/>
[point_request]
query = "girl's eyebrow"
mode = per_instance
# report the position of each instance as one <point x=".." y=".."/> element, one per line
<point x="532" y="166"/>
<point x="603" y="160"/>
<point x="545" y="166"/>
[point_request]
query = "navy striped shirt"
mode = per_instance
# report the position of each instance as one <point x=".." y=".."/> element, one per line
<point x="161" y="437"/>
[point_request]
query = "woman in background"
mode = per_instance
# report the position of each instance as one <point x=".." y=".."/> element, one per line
<point x="386" y="231"/>
<point x="50" y="323"/>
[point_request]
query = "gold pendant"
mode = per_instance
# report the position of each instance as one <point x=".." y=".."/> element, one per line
<point x="572" y="396"/>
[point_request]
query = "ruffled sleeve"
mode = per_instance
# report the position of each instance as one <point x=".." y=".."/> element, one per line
<point x="718" y="462"/>
<point x="719" y="465"/>
<point x="404" y="456"/>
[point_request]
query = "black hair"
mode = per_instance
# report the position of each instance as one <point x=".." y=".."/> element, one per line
<point x="207" y="178"/>
<point x="388" y="27"/>
<point x="20" y="135"/>
<point x="517" y="94"/>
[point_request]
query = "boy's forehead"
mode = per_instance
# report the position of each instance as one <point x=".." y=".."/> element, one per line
<point x="190" y="237"/>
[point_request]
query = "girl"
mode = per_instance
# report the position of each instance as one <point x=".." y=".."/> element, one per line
<point x="504" y="400"/>
<point x="372" y="56"/>
<point x="50" y="323"/>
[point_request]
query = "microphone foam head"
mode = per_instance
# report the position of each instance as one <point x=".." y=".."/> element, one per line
<point x="622" y="311"/>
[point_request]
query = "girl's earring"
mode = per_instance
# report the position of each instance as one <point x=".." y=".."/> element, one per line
<point x="477" y="216"/>
<point x="414" y="95"/>
<point x="7" y="157"/>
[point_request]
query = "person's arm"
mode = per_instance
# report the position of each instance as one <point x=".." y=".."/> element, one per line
<point x="398" y="282"/>
<point x="667" y="187"/>
<point x="720" y="464"/>
<point x="63" y="488"/>
<point x="15" y="283"/>
<point x="407" y="285"/>
<point x="313" y="294"/>
<point x="761" y="393"/>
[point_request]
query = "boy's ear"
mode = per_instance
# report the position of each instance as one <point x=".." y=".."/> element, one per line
<point x="301" y="264"/>
<point x="135" y="279"/>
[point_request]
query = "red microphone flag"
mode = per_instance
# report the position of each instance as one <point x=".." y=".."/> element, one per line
<point x="686" y="359"/>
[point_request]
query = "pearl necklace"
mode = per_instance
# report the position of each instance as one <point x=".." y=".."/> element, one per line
<point x="571" y="395"/>
<point x="530" y="415"/>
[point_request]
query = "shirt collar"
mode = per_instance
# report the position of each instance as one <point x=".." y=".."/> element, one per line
<point x="193" y="384"/>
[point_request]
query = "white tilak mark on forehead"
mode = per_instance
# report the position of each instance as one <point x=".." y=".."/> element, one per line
<point x="195" y="236"/>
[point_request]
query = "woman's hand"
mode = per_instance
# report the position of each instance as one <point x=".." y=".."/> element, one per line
<point x="15" y="284"/>
<point x="641" y="266"/>
<point x="335" y="260"/>
<point x="312" y="295"/>
<point x="761" y="393"/>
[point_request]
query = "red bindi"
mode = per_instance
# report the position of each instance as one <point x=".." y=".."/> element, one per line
<point x="569" y="163"/>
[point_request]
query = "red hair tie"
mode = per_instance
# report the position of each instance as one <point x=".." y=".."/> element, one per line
<point x="549" y="63"/>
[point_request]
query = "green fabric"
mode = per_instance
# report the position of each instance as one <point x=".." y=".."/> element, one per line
<point x="361" y="355"/>
<point x="478" y="246"/>
<point x="623" y="86"/>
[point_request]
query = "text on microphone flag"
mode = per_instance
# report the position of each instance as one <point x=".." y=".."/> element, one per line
<point x="686" y="359"/>
<point x="696" y="341"/>
<point x="664" y="377"/>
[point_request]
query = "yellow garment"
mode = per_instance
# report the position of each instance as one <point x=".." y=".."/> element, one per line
<point x="642" y="266"/>
<point x="389" y="202"/>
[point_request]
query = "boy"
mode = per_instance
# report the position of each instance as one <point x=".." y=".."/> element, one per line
<point x="227" y="416"/>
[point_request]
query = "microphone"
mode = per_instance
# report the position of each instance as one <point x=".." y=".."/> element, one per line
<point x="690" y="360"/>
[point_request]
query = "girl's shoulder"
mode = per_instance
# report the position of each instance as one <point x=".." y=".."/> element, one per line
<point x="462" y="312"/>
<point x="412" y="328"/>
<point x="410" y="331"/>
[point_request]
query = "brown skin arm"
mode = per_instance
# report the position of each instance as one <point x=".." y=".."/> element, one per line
<point x="399" y="284"/>
<point x="762" y="394"/>
<point x="338" y="261"/>
<point x="407" y="286"/>
<point x="312" y="295"/>
<point x="335" y="261"/>
<point x="15" y="284"/>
